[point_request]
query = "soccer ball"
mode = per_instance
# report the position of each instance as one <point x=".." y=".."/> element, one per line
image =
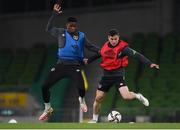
<point x="114" y="116"/>
<point x="12" y="121"/>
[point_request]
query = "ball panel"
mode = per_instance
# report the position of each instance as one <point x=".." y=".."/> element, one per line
<point x="114" y="116"/>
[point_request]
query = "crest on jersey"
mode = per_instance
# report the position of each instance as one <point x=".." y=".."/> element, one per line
<point x="75" y="37"/>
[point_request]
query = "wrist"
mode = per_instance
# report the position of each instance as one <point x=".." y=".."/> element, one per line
<point x="55" y="13"/>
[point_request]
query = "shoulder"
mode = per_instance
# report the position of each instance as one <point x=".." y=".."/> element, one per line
<point x="61" y="30"/>
<point x="82" y="33"/>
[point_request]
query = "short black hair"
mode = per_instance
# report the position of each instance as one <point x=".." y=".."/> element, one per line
<point x="72" y="19"/>
<point x="113" y="32"/>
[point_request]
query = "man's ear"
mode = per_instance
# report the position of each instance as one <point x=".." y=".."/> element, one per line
<point x="108" y="37"/>
<point x="66" y="24"/>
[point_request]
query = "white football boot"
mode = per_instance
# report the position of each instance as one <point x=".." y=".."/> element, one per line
<point x="45" y="115"/>
<point x="143" y="99"/>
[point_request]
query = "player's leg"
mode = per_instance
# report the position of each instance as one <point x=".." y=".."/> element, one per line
<point x="54" y="75"/>
<point x="82" y="90"/>
<point x="103" y="88"/>
<point x="97" y="105"/>
<point x="78" y="81"/>
<point x="128" y="95"/>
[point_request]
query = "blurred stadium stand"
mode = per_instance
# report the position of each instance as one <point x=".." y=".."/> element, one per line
<point x="27" y="54"/>
<point x="22" y="6"/>
<point x="21" y="71"/>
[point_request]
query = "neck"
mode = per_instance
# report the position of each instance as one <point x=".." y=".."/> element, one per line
<point x="73" y="33"/>
<point x="111" y="46"/>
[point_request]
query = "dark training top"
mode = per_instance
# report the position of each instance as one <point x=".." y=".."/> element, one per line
<point x="59" y="33"/>
<point x="127" y="51"/>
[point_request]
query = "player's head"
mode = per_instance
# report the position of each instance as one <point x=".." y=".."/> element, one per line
<point x="113" y="37"/>
<point x="71" y="24"/>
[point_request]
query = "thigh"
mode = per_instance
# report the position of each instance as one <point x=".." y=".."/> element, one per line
<point x="124" y="91"/>
<point x="56" y="73"/>
<point x="122" y="87"/>
<point x="76" y="77"/>
<point x="105" y="84"/>
<point x="119" y="82"/>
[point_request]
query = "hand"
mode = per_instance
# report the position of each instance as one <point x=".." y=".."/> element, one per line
<point x="57" y="8"/>
<point x="85" y="61"/>
<point x="154" y="66"/>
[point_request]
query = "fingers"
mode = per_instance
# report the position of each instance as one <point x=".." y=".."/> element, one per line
<point x="157" y="67"/>
<point x="57" y="5"/>
<point x="154" y="66"/>
<point x="85" y="60"/>
<point x="60" y="12"/>
<point x="57" y="8"/>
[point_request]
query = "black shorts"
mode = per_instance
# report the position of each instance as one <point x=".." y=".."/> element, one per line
<point x="107" y="82"/>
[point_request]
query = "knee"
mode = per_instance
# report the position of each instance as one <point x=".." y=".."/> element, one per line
<point x="125" y="96"/>
<point x="98" y="99"/>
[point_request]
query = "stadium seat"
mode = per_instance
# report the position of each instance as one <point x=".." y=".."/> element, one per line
<point x="5" y="61"/>
<point x="152" y="46"/>
<point x="132" y="68"/>
<point x="16" y="69"/>
<point x="145" y="86"/>
<point x="137" y="41"/>
<point x="79" y="3"/>
<point x="99" y="3"/>
<point x="168" y="48"/>
<point x="34" y="63"/>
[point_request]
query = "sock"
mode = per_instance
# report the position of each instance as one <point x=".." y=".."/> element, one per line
<point x="137" y="96"/>
<point x="81" y="100"/>
<point x="95" y="117"/>
<point x="47" y="105"/>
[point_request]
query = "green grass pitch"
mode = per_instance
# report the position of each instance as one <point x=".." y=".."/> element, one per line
<point x="90" y="126"/>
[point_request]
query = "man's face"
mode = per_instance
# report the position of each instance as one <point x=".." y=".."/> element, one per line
<point x="71" y="27"/>
<point x="114" y="40"/>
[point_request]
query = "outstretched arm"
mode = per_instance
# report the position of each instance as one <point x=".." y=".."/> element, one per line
<point x="90" y="46"/>
<point x="130" y="52"/>
<point x="50" y="26"/>
<point x="92" y="58"/>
